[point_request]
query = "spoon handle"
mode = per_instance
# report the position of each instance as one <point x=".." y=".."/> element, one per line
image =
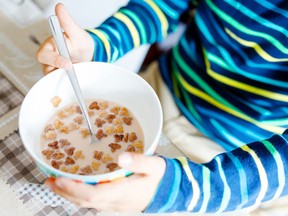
<point x="63" y="51"/>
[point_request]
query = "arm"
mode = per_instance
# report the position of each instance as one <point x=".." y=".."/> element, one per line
<point x="244" y="177"/>
<point x="139" y="22"/>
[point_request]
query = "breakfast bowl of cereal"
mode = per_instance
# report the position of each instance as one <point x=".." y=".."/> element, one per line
<point x="124" y="111"/>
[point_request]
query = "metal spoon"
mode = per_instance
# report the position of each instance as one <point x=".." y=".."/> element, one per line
<point x="63" y="50"/>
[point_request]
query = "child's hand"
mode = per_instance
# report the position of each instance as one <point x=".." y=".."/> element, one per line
<point x="133" y="193"/>
<point x="79" y="42"/>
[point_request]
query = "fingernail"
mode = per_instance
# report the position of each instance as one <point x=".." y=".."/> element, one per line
<point x="125" y="159"/>
<point x="59" y="183"/>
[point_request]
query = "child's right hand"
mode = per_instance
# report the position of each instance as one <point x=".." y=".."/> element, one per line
<point x="79" y="42"/>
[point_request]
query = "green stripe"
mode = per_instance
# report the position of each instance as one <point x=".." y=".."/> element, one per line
<point x="186" y="96"/>
<point x="246" y="30"/>
<point x="188" y="70"/>
<point x="139" y="23"/>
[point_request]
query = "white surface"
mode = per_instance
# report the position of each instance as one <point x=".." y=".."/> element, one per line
<point x="91" y="13"/>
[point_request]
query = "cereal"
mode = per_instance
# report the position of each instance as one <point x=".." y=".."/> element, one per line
<point x="74" y="169"/>
<point x="127" y="120"/>
<point x="110" y="117"/>
<point x="112" y="166"/>
<point x="86" y="170"/>
<point x="99" y="122"/>
<point x="48" y="128"/>
<point x="115" y="110"/>
<point x="119" y="129"/>
<point x="69" y="151"/>
<point x="131" y="148"/>
<point x="50" y="135"/>
<point x="78" y="120"/>
<point x="84" y="132"/>
<point x="62" y="114"/>
<point x="95" y="165"/>
<point x="58" y="155"/>
<point x="70" y="110"/>
<point x="94" y="105"/>
<point x="118" y="137"/>
<point x="64" y="129"/>
<point x="103" y="105"/>
<point x="106" y="158"/>
<point x="100" y="134"/>
<point x="53" y="145"/>
<point x="138" y="144"/>
<point x="69" y="161"/>
<point x="63" y="169"/>
<point x="48" y="153"/>
<point x="79" y="155"/>
<point x="132" y="137"/>
<point x="73" y="126"/>
<point x="117" y="121"/>
<point x="98" y="155"/>
<point x="78" y="110"/>
<point x="55" y="101"/>
<point x="124" y="112"/>
<point x="65" y="140"/>
<point x="109" y="130"/>
<point x="126" y="137"/>
<point x="114" y="146"/>
<point x="56" y="164"/>
<point x="102" y="114"/>
<point x="57" y="124"/>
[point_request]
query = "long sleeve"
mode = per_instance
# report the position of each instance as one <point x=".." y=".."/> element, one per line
<point x="246" y="176"/>
<point x="139" y="22"/>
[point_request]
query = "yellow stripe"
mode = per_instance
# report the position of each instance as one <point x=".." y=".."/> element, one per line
<point x="256" y="47"/>
<point x="103" y="38"/>
<point x="212" y="101"/>
<point x="262" y="174"/>
<point x="130" y="25"/>
<point x="161" y="16"/>
<point x="195" y="186"/>
<point x="243" y="86"/>
<point x="248" y="88"/>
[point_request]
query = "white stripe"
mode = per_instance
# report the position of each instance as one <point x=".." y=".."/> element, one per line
<point x="195" y="186"/>
<point x="206" y="189"/>
<point x="227" y="192"/>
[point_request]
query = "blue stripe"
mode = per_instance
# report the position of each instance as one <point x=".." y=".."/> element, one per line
<point x="242" y="179"/>
<point x="174" y="190"/>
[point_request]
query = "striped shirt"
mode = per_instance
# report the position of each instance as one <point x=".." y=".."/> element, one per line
<point x="227" y="76"/>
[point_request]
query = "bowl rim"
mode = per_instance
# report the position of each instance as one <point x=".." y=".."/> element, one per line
<point x="91" y="178"/>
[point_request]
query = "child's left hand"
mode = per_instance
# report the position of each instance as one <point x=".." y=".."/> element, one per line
<point x="132" y="193"/>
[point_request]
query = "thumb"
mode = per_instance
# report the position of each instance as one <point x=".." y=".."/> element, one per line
<point x="139" y="163"/>
<point x="68" y="24"/>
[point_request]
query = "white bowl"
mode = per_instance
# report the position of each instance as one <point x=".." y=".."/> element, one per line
<point x="98" y="81"/>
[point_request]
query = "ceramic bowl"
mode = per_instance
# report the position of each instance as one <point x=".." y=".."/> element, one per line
<point x="96" y="80"/>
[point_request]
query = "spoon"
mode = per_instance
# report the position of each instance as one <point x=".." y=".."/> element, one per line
<point x="63" y="50"/>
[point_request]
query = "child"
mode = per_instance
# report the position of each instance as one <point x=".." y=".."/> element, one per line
<point x="226" y="76"/>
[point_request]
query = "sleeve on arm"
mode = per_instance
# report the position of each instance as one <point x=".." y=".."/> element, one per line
<point x="139" y="22"/>
<point x="244" y="177"/>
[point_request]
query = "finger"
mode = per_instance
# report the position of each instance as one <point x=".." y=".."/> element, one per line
<point x="68" y="24"/>
<point x="53" y="59"/>
<point x="50" y="182"/>
<point x="139" y="163"/>
<point x="47" y="69"/>
<point x="74" y="189"/>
